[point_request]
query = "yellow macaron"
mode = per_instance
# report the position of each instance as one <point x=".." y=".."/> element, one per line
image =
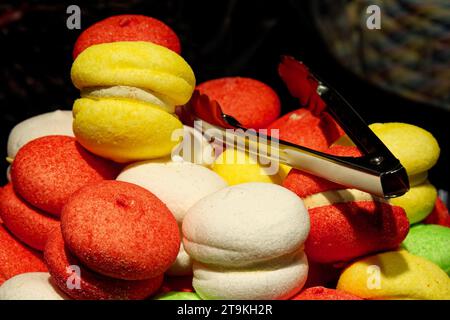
<point x="237" y="167"/>
<point x="137" y="64"/>
<point x="395" y="275"/>
<point x="418" y="202"/>
<point x="416" y="148"/>
<point x="129" y="92"/>
<point x="418" y="151"/>
<point x="124" y="130"/>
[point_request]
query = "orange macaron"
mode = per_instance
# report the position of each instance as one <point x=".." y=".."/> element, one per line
<point x="345" y="223"/>
<point x="303" y="128"/>
<point x="322" y="293"/>
<point x="86" y="284"/>
<point x="128" y="27"/>
<point x="30" y="225"/>
<point x="253" y="103"/>
<point x="17" y="258"/>
<point x="47" y="170"/>
<point x="120" y="230"/>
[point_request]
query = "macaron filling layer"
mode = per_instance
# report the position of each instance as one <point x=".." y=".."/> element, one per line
<point x="328" y="198"/>
<point x="128" y="92"/>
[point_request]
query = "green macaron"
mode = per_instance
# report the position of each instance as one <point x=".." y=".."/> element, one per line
<point x="431" y="242"/>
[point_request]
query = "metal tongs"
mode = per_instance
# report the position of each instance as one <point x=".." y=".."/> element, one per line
<point x="377" y="172"/>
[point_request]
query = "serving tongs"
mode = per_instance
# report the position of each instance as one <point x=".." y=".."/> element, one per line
<point x="377" y="172"/>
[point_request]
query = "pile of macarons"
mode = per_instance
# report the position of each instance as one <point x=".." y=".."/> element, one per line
<point x="104" y="203"/>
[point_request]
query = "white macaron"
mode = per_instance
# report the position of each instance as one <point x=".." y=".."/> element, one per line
<point x="245" y="224"/>
<point x="179" y="185"/>
<point x="278" y="280"/>
<point x="58" y="122"/>
<point x="247" y="242"/>
<point x="31" y="286"/>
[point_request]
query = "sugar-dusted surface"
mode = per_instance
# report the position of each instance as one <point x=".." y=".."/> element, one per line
<point x="306" y="129"/>
<point x="48" y="170"/>
<point x="120" y="230"/>
<point x="128" y="27"/>
<point x="27" y="223"/>
<point x="322" y="293"/>
<point x="345" y="231"/>
<point x="16" y="258"/>
<point x="253" y="103"/>
<point x="92" y="286"/>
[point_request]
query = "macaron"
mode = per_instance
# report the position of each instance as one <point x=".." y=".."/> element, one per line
<point x="47" y="170"/>
<point x="120" y="230"/>
<point x="124" y="131"/>
<point x="179" y="185"/>
<point x="129" y="92"/>
<point x="247" y="243"/>
<point x="253" y="103"/>
<point x="28" y="224"/>
<point x="128" y="27"/>
<point x="279" y="279"/>
<point x="303" y="128"/>
<point x="431" y="242"/>
<point x="80" y="283"/>
<point x="345" y="223"/>
<point x="418" y="202"/>
<point x="16" y="258"/>
<point x="395" y="275"/>
<point x="344" y="231"/>
<point x="31" y="286"/>
<point x="57" y="122"/>
<point x="237" y="167"/>
<point x="321" y="293"/>
<point x="439" y="215"/>
<point x="417" y="158"/>
<point x="137" y="64"/>
<point x="173" y="295"/>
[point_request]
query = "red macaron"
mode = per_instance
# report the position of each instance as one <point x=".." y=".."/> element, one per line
<point x="128" y="27"/>
<point x="439" y="215"/>
<point x="340" y="232"/>
<point x="88" y="285"/>
<point x="28" y="224"/>
<point x="321" y="293"/>
<point x="47" y="170"/>
<point x="303" y="128"/>
<point x="345" y="231"/>
<point x="16" y="258"/>
<point x="120" y="230"/>
<point x="254" y="104"/>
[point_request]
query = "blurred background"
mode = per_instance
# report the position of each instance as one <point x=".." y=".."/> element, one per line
<point x="398" y="73"/>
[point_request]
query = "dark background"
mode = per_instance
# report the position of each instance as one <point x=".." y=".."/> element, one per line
<point x="219" y="38"/>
